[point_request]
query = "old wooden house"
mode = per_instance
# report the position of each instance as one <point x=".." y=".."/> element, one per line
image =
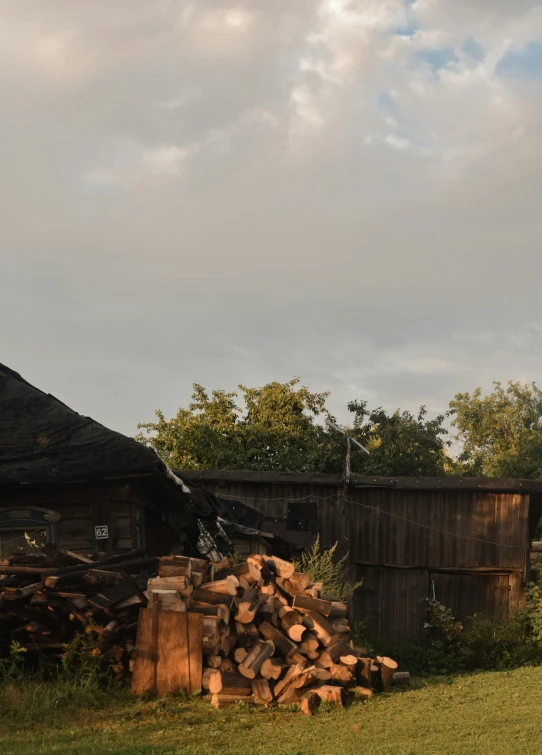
<point x="464" y="541"/>
<point x="66" y="479"/>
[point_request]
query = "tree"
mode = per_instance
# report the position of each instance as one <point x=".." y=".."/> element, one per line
<point x="501" y="433"/>
<point x="277" y="427"/>
<point x="400" y="443"/>
<point x="273" y="428"/>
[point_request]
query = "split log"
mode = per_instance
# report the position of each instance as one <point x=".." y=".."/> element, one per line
<point x="364" y="672"/>
<point x="296" y="632"/>
<point x="208" y="673"/>
<point x="339" y="647"/>
<point x="338" y="610"/>
<point x="376" y="677"/>
<point x="388" y="667"/>
<point x="214" y="661"/>
<point x="271" y="668"/>
<point x="321" y="627"/>
<point x="299" y="581"/>
<point x="295" y="657"/>
<point x="341" y="626"/>
<point x="323" y="674"/>
<point x="229" y="683"/>
<point x="181" y="584"/>
<point x="248" y="606"/>
<point x="362" y="693"/>
<point x="227" y="586"/>
<point x="222" y="701"/>
<point x="247" y="634"/>
<point x="175" y="566"/>
<point x="252" y="664"/>
<point x="290" y="617"/>
<point x="294" y="672"/>
<point x="314" y="590"/>
<point x="208" y="598"/>
<point x="304" y="603"/>
<point x="309" y="702"/>
<point x="262" y="691"/>
<point x="221" y="610"/>
<point x="247" y="570"/>
<point x="324" y="661"/>
<point x="282" y="643"/>
<point x="341" y="675"/>
<point x="283" y="569"/>
<point x="330" y="694"/>
<point x="290" y="691"/>
<point x="226" y="664"/>
<point x="16" y="593"/>
<point x="351" y="663"/>
<point x="240" y="654"/>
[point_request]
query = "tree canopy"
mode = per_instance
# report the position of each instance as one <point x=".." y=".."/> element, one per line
<point x="279" y="427"/>
<point x="501" y="433"/>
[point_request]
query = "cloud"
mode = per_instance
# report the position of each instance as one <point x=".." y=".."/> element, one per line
<point x="236" y="192"/>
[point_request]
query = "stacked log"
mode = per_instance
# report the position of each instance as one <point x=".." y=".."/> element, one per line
<point x="271" y="635"/>
<point x="48" y="599"/>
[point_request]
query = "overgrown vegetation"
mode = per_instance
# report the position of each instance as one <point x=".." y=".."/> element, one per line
<point x="29" y="695"/>
<point x="452" y="648"/>
<point x="322" y="566"/>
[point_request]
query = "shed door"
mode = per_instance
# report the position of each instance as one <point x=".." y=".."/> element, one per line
<point x="467" y="594"/>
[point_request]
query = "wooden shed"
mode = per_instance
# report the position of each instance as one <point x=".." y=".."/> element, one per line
<point x="464" y="541"/>
<point x="68" y="480"/>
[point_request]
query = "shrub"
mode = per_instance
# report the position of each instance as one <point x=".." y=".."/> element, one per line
<point x="322" y="566"/>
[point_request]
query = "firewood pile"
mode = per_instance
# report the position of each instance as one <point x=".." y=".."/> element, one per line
<point x="48" y="599"/>
<point x="266" y="633"/>
<point x="270" y="634"/>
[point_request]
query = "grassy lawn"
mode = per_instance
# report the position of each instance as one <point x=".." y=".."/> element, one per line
<point x="490" y="712"/>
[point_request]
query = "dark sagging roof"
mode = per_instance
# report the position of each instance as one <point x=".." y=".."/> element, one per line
<point x="44" y="441"/>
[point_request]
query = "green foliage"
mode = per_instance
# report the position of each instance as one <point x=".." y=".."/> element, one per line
<point x="400" y="443"/>
<point x="272" y="428"/>
<point x="501" y="433"/>
<point x="12" y="667"/>
<point x="322" y="566"/>
<point x="277" y="427"/>
<point x="441" y="618"/>
<point x="33" y="696"/>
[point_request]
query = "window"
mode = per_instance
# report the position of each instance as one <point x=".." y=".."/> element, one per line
<point x="26" y="530"/>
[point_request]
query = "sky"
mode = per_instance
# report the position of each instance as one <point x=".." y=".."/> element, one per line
<point x="237" y="192"/>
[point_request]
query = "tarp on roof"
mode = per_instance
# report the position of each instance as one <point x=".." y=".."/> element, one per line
<point x="42" y="440"/>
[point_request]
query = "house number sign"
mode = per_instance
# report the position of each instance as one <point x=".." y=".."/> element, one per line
<point x="101" y="532"/>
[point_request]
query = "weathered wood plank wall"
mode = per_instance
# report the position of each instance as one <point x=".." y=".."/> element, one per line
<point x="468" y="546"/>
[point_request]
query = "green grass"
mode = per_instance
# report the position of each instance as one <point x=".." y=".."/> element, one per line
<point x="489" y="712"/>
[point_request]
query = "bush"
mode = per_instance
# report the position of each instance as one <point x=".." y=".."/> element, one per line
<point x="28" y="695"/>
<point x="322" y="566"/>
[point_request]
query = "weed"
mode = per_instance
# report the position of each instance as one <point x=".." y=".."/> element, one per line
<point x="322" y="566"/>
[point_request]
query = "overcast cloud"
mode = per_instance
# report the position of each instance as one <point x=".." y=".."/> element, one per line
<point x="224" y="192"/>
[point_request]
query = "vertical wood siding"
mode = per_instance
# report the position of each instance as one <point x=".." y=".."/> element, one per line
<point x="398" y="540"/>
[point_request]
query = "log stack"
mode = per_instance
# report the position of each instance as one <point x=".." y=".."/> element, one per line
<point x="270" y="635"/>
<point x="50" y="598"/>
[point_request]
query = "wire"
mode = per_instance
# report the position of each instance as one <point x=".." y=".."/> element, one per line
<point x="341" y="499"/>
